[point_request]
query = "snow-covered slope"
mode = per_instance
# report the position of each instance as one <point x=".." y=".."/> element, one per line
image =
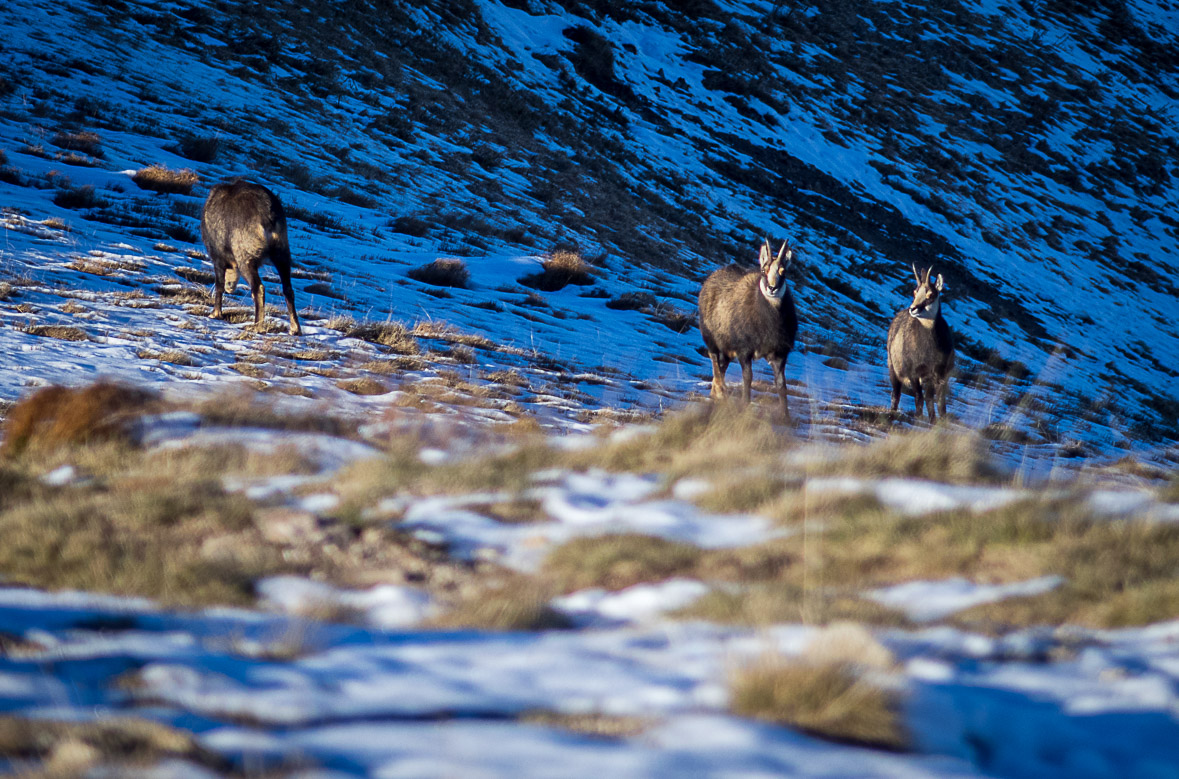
<point x="1025" y="150"/>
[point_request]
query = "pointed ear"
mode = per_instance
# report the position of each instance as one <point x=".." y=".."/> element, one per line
<point x="764" y="258"/>
<point x="916" y="275"/>
<point x="939" y="282"/>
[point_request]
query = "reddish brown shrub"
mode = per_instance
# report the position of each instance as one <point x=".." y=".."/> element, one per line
<point x="59" y="416"/>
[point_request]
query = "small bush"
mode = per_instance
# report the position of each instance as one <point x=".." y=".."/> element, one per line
<point x="85" y="142"/>
<point x="411" y="225"/>
<point x="157" y="178"/>
<point x="197" y="149"/>
<point x="828" y="700"/>
<point x="77" y="197"/>
<point x="363" y="386"/>
<point x="443" y="272"/>
<point x="928" y="454"/>
<point x="517" y="605"/>
<point x="631" y="301"/>
<point x="618" y="561"/>
<point x="561" y="268"/>
<point x="60" y="332"/>
<point x="57" y="416"/>
<point x="69" y="748"/>
<point x="394" y="335"/>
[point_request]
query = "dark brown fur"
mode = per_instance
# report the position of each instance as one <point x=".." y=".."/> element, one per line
<point x="242" y="224"/>
<point x="921" y="350"/>
<point x="739" y="323"/>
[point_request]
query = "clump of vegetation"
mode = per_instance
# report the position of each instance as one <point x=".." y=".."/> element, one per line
<point x="442" y="272"/>
<point x="60" y="332"/>
<point x="363" y="386"/>
<point x="618" y="561"/>
<point x="631" y="301"/>
<point x="393" y="335"/>
<point x="57" y="416"/>
<point x="74" y="748"/>
<point x="936" y="454"/>
<point x="85" y="142"/>
<point x="157" y="178"/>
<point x="594" y="725"/>
<point x="197" y="148"/>
<point x="517" y="604"/>
<point x="77" y="197"/>
<point x="559" y="269"/>
<point x="693" y="442"/>
<point x="829" y="700"/>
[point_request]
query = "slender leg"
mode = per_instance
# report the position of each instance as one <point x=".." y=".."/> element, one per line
<point x="257" y="292"/>
<point x="779" y="367"/>
<point x="918" y="396"/>
<point x="720" y="364"/>
<point x="218" y="289"/>
<point x="746" y="377"/>
<point x="895" y="381"/>
<point x="930" y="402"/>
<point x="942" y="388"/>
<point x="284" y="275"/>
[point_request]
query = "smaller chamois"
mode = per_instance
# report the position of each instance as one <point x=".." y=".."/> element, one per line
<point x="748" y="314"/>
<point x="921" y="349"/>
<point x="242" y="224"/>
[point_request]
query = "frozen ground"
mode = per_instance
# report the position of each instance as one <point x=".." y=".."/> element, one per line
<point x="384" y="698"/>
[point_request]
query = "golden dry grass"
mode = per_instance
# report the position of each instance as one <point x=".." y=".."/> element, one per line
<point x="559" y="269"/>
<point x="618" y="561"/>
<point x="594" y="725"/>
<point x="517" y="603"/>
<point x="829" y="700"/>
<point x="73" y="748"/>
<point x="935" y="453"/>
<point x="363" y="386"/>
<point x="442" y="272"/>
<point x="157" y="178"/>
<point x="172" y="356"/>
<point x="60" y="332"/>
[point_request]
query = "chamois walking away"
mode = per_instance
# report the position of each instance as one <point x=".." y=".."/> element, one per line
<point x="748" y="314"/>
<point x="242" y="224"/>
<point x="920" y="348"/>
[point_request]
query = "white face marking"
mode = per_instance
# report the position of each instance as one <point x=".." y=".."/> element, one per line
<point x="773" y="282"/>
<point x="926" y="303"/>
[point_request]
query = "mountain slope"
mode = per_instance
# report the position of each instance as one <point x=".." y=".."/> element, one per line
<point x="1026" y="150"/>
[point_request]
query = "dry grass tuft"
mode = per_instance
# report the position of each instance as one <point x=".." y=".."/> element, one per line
<point x="517" y="604"/>
<point x="559" y="269"/>
<point x="445" y="332"/>
<point x="828" y="700"/>
<point x="74" y="748"/>
<point x="694" y="441"/>
<point x="443" y="272"/>
<point x="104" y="266"/>
<point x="172" y="356"/>
<point x="393" y="335"/>
<point x="59" y="416"/>
<point x="935" y="454"/>
<point x="594" y="725"/>
<point x="85" y="142"/>
<point x="363" y="386"/>
<point x="618" y="561"/>
<point x="60" y="332"/>
<point x="157" y="178"/>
